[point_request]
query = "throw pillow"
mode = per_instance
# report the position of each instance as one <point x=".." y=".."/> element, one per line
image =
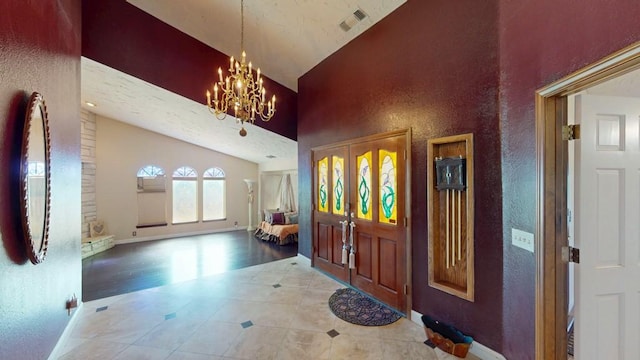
<point x="268" y="215"/>
<point x="277" y="218"/>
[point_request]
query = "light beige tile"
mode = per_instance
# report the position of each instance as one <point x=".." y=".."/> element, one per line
<point x="254" y="292"/>
<point x="201" y="310"/>
<point x="178" y="355"/>
<point x="344" y="327"/>
<point x="319" y="297"/>
<point x="275" y="315"/>
<point x="238" y="277"/>
<point x="302" y="344"/>
<point x="297" y="279"/>
<point x="95" y="350"/>
<point x="92" y="324"/>
<point x="268" y="277"/>
<point x="257" y="343"/>
<point x="170" y="334"/>
<point x="130" y="329"/>
<point x="313" y="318"/>
<point x="323" y="282"/>
<point x="211" y="338"/>
<point x="143" y="353"/>
<point x="406" y="350"/>
<point x="403" y="329"/>
<point x="237" y="311"/>
<point x="70" y="345"/>
<point x="356" y="348"/>
<point x="286" y="295"/>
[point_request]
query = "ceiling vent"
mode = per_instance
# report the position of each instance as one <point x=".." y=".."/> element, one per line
<point x="353" y="19"/>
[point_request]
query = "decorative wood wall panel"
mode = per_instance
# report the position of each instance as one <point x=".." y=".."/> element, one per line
<point x="451" y="215"/>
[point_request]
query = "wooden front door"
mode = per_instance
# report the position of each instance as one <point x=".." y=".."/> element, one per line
<point x="360" y="197"/>
<point x="330" y="209"/>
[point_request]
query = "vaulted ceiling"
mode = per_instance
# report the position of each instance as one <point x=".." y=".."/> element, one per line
<point x="285" y="38"/>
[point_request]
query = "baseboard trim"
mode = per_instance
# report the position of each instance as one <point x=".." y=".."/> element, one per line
<point x="66" y="334"/>
<point x="171" y="236"/>
<point x="476" y="349"/>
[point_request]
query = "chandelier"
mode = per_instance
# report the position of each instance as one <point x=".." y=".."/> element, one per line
<point x="241" y="90"/>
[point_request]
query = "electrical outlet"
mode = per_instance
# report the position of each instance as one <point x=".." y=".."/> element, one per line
<point x="522" y="239"/>
<point x="72" y="303"/>
<point x="134" y="233"/>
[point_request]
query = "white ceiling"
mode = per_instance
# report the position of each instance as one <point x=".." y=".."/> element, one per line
<point x="627" y="85"/>
<point x="285" y="38"/>
<point x="125" y="98"/>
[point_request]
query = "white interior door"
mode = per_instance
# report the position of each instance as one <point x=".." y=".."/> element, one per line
<point x="607" y="231"/>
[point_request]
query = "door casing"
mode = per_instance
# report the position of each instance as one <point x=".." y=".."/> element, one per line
<point x="551" y="196"/>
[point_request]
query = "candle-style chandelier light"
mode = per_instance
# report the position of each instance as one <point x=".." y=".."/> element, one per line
<point x="240" y="90"/>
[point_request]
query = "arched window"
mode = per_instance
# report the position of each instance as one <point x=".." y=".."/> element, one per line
<point x="214" y="195"/>
<point x="152" y="201"/>
<point x="185" y="195"/>
<point x="150" y="171"/>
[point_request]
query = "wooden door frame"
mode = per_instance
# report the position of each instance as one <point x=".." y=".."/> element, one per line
<point x="407" y="134"/>
<point x="551" y="196"/>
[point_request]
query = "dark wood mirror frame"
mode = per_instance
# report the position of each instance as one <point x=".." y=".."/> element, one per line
<point x="35" y="173"/>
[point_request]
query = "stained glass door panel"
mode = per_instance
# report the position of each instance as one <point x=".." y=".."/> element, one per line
<point x="388" y="187"/>
<point x="338" y="185"/>
<point x="364" y="185"/>
<point x="330" y="203"/>
<point x="323" y="184"/>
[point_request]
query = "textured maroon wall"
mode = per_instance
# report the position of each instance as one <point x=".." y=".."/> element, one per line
<point x="40" y="47"/>
<point x="123" y="37"/>
<point x="431" y="66"/>
<point x="540" y="42"/>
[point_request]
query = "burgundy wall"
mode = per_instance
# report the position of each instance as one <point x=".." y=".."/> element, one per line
<point x="40" y="47"/>
<point x="540" y="42"/>
<point x="431" y="66"/>
<point x="121" y="36"/>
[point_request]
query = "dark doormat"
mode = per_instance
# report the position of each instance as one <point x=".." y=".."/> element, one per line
<point x="356" y="308"/>
<point x="570" y="342"/>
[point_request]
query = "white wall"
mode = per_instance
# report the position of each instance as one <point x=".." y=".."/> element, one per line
<point x="269" y="185"/>
<point x="271" y="173"/>
<point x="122" y="149"/>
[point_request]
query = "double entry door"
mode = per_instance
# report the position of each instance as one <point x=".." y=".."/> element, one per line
<point x="359" y="217"/>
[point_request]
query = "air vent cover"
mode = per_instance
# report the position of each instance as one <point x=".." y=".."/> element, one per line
<point x="351" y="20"/>
<point x="359" y="14"/>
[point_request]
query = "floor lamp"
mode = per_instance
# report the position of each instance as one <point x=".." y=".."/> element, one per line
<point x="250" y="196"/>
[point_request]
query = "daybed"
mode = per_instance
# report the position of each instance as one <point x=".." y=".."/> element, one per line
<point x="279" y="227"/>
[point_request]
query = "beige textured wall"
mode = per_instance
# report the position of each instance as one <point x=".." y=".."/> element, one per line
<point x="122" y="149"/>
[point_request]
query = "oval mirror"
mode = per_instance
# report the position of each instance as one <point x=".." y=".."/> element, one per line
<point x="35" y="179"/>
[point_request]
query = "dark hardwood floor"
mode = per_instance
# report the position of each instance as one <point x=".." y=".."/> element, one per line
<point x="132" y="267"/>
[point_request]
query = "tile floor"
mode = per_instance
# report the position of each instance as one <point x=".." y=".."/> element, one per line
<point x="276" y="310"/>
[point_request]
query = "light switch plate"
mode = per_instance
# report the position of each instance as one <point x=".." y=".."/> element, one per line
<point x="522" y="239"/>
